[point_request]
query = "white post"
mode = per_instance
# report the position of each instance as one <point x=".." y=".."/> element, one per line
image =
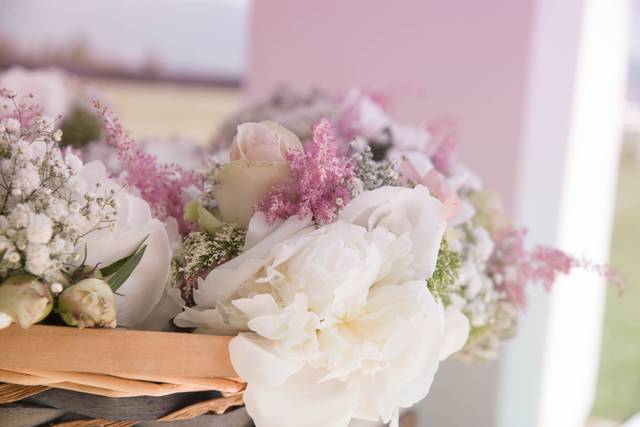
<point x="566" y="197"/>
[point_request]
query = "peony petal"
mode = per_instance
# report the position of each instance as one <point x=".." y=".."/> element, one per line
<point x="211" y="321"/>
<point x="258" y="229"/>
<point x="403" y="210"/>
<point x="456" y="331"/>
<point x="258" y="305"/>
<point x="358" y="210"/>
<point x="255" y="360"/>
<point x="302" y="401"/>
<point x="224" y="280"/>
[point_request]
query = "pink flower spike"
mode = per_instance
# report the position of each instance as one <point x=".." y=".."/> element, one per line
<point x="161" y="186"/>
<point x="512" y="267"/>
<point x="320" y="183"/>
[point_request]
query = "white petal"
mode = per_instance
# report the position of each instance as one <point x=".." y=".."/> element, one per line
<point x="144" y="288"/>
<point x="160" y="317"/>
<point x="256" y="361"/>
<point x="224" y="280"/>
<point x="259" y="228"/>
<point x="403" y="210"/>
<point x="210" y="321"/>
<point x="358" y="210"/>
<point x="456" y="331"/>
<point x="258" y="305"/>
<point x="302" y="402"/>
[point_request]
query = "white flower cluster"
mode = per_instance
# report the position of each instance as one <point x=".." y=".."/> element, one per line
<point x="491" y="317"/>
<point x="46" y="208"/>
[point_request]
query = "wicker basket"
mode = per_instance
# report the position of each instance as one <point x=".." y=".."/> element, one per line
<point x="113" y="377"/>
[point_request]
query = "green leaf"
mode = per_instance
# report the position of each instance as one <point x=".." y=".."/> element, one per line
<point x="195" y="212"/>
<point x="191" y="211"/>
<point x="112" y="268"/>
<point x="126" y="269"/>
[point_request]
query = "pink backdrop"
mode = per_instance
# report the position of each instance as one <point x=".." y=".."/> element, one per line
<point x="432" y="58"/>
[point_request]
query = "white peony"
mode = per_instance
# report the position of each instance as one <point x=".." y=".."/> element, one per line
<point x="339" y="320"/>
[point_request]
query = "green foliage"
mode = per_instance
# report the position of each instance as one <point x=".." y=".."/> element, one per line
<point x="125" y="270"/>
<point x="446" y="273"/>
<point x="79" y="127"/>
<point x="203" y="250"/>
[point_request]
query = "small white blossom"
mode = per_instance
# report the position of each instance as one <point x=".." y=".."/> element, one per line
<point x="12" y="126"/>
<point x="27" y="179"/>
<point x="19" y="216"/>
<point x="13" y="257"/>
<point x="40" y="229"/>
<point x="37" y="259"/>
<point x="57" y="287"/>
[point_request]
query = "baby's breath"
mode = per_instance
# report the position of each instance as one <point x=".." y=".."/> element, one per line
<point x="46" y="208"/>
<point x="203" y="252"/>
<point x="373" y="174"/>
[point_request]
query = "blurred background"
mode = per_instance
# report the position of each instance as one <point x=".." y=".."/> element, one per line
<point x="184" y="67"/>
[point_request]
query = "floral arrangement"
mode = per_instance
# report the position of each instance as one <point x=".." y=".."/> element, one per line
<point x="70" y="236"/>
<point x="346" y="265"/>
<point x="325" y="281"/>
<point x="488" y="264"/>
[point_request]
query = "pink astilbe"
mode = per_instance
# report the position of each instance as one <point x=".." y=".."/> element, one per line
<point x="512" y="266"/>
<point x="319" y="184"/>
<point x="161" y="185"/>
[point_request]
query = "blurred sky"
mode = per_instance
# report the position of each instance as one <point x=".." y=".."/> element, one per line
<point x="205" y="37"/>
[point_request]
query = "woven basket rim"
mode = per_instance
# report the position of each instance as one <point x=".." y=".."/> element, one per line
<point x="117" y="362"/>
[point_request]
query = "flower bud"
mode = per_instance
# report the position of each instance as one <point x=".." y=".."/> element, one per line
<point x="25" y="300"/>
<point x="87" y="304"/>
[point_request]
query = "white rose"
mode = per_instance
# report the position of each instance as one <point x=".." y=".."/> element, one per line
<point x="145" y="287"/>
<point x="341" y="324"/>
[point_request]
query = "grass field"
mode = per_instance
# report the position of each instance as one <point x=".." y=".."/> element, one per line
<point x="164" y="110"/>
<point x="618" y="395"/>
<point x="149" y="109"/>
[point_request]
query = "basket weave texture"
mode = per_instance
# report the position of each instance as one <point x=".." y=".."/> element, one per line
<point x="118" y="363"/>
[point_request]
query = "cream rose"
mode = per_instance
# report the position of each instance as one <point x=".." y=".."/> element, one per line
<point x="258" y="160"/>
<point x="339" y="322"/>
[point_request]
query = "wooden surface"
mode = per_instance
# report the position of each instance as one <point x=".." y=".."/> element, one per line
<point x="117" y="352"/>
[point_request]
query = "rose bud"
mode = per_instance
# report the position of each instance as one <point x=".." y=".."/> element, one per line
<point x="258" y="160"/>
<point x="25" y="300"/>
<point x="87" y="304"/>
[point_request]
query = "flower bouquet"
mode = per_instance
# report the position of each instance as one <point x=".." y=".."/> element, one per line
<point x="324" y="281"/>
<point x="488" y="264"/>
